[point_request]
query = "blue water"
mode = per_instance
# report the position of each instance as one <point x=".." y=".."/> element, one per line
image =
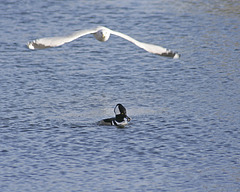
<point x="184" y="134"/>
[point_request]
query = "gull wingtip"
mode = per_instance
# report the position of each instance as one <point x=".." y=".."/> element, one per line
<point x="30" y="45"/>
<point x="176" y="56"/>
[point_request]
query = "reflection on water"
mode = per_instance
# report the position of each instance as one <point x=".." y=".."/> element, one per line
<point x="226" y="7"/>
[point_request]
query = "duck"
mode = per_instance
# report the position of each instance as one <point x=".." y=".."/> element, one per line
<point x="120" y="120"/>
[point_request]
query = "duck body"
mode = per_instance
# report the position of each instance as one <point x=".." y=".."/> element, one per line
<point x="121" y="119"/>
<point x="114" y="121"/>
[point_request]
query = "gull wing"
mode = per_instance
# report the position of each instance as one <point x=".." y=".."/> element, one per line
<point x="148" y="47"/>
<point x="57" y="41"/>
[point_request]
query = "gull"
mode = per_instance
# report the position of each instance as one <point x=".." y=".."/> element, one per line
<point x="101" y="34"/>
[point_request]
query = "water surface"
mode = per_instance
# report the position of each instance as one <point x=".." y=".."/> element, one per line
<point x="184" y="133"/>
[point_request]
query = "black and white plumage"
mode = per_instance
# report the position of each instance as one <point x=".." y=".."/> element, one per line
<point x="102" y="34"/>
<point x="121" y="119"/>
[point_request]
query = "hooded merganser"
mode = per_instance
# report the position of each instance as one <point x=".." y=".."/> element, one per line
<point x="121" y="118"/>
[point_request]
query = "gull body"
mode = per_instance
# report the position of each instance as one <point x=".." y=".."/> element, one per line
<point x="101" y="34"/>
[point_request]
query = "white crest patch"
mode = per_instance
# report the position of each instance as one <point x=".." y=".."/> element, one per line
<point x="117" y="110"/>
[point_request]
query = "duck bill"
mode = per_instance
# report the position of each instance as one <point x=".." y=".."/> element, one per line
<point x="128" y="118"/>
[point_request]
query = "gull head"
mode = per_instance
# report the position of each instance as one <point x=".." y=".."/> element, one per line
<point x="102" y="34"/>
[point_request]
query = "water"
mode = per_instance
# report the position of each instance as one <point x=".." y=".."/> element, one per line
<point x="184" y="133"/>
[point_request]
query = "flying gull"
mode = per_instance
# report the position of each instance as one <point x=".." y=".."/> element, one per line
<point x="101" y="34"/>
